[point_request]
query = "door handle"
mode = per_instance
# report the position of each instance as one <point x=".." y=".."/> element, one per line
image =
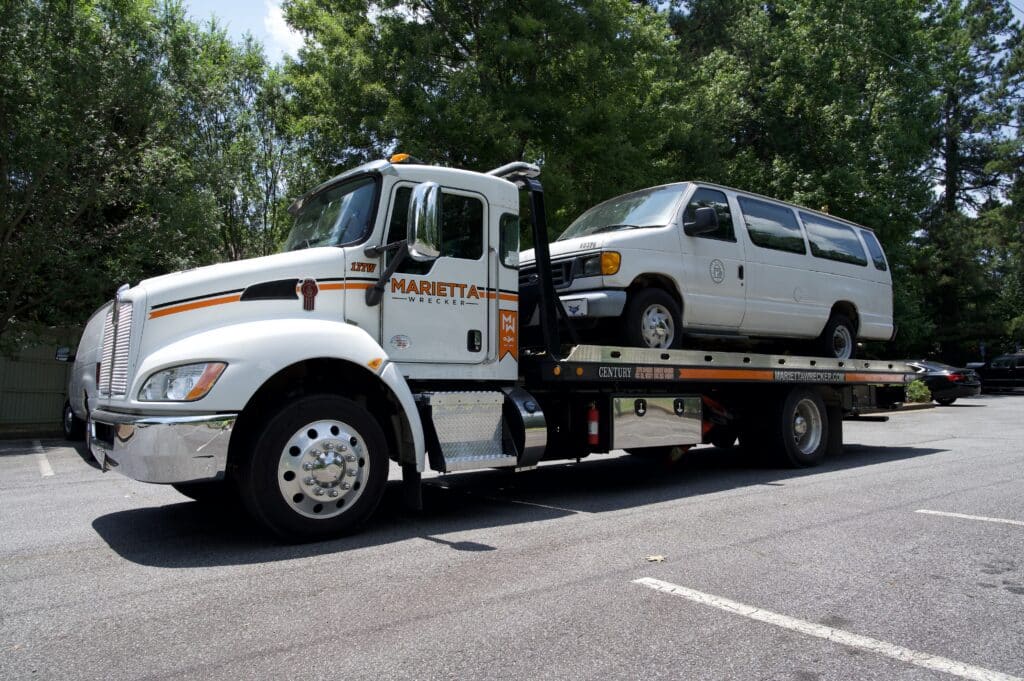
<point x="741" y="272"/>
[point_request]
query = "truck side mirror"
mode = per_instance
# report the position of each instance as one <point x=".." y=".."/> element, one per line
<point x="705" y="221"/>
<point x="64" y="354"/>
<point x="425" y="222"/>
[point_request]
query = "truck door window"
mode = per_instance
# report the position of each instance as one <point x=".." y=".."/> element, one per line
<point x="772" y="226"/>
<point x="462" y="228"/>
<point x="833" y="240"/>
<point x="712" y="198"/>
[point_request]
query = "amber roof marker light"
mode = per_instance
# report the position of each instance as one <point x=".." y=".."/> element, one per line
<point x="404" y="158"/>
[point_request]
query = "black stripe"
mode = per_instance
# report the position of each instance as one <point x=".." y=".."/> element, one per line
<point x="189" y="300"/>
<point x="282" y="289"/>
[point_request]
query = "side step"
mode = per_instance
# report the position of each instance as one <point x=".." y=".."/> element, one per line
<point x="469" y="430"/>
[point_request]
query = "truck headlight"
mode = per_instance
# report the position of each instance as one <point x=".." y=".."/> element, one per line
<point x="606" y="262"/>
<point x="186" y="383"/>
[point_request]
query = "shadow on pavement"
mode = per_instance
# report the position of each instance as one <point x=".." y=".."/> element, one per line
<point x="191" y="534"/>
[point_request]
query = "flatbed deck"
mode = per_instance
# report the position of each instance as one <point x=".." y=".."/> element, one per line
<point x="604" y="364"/>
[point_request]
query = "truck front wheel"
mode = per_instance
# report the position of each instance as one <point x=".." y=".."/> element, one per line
<point x="317" y="470"/>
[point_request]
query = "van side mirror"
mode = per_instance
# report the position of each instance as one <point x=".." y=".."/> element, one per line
<point x="64" y="354"/>
<point x="425" y="222"/>
<point x="705" y="221"/>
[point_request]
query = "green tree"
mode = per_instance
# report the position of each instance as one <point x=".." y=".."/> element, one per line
<point x="573" y="86"/>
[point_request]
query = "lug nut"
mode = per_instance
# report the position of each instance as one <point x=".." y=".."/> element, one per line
<point x="328" y="446"/>
<point x="345" y="485"/>
<point x="309" y="481"/>
<point x="319" y="491"/>
<point x="307" y="466"/>
<point x="333" y="493"/>
<point x="351" y="472"/>
<point x="350" y="458"/>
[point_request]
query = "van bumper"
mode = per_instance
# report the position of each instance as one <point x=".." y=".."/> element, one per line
<point x="162" y="449"/>
<point x="594" y="303"/>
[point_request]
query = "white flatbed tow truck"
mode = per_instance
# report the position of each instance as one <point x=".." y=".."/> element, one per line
<point x="389" y="330"/>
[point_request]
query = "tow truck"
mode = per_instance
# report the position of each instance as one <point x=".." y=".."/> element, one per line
<point x="389" y="331"/>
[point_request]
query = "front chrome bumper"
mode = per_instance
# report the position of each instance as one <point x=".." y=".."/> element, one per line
<point x="162" y="449"/>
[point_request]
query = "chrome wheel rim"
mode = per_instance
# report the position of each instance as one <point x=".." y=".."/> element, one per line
<point x="842" y="342"/>
<point x="69" y="419"/>
<point x="656" y="327"/>
<point x="323" y="469"/>
<point x="807" y="426"/>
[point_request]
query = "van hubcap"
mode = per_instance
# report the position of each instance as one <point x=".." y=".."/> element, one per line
<point x="657" y="328"/>
<point x="842" y="342"/>
<point x="323" y="469"/>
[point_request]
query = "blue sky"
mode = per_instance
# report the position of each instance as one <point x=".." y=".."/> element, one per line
<point x="262" y="18"/>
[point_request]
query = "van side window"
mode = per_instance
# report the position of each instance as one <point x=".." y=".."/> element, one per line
<point x="875" y="249"/>
<point x="772" y="226"/>
<point x="712" y="198"/>
<point x="833" y="240"/>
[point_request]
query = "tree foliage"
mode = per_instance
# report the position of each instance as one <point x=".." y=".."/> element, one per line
<point x="136" y="141"/>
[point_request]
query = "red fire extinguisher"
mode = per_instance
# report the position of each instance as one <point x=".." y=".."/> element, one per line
<point x="592" y="421"/>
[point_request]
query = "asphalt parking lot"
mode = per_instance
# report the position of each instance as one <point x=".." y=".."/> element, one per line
<point x="903" y="558"/>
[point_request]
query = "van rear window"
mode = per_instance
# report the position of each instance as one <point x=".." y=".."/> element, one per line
<point x="875" y="249"/>
<point x="772" y="226"/>
<point x="833" y="240"/>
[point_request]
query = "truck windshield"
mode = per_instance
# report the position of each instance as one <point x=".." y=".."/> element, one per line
<point x="653" y="207"/>
<point x="334" y="217"/>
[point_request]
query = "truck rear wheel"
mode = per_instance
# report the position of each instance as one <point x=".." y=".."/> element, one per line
<point x="317" y="470"/>
<point x="799" y="431"/>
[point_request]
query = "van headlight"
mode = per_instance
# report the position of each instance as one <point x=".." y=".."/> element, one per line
<point x="606" y="262"/>
<point x="186" y="383"/>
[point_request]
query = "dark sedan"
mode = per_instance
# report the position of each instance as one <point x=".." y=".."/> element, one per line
<point x="946" y="383"/>
<point x="1005" y="372"/>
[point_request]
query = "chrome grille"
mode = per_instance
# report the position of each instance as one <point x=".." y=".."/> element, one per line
<point x="117" y="331"/>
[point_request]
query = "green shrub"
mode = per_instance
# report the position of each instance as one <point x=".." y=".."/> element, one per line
<point x="917" y="391"/>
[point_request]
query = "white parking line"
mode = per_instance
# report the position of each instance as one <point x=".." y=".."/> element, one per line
<point x="45" y="469"/>
<point x="926" y="660"/>
<point x="971" y="517"/>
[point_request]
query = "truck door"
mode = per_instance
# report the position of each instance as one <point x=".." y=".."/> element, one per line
<point x="438" y="311"/>
<point x="713" y="267"/>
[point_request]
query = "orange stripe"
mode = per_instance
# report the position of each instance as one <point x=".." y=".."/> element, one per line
<point x="194" y="306"/>
<point x="729" y="374"/>
<point x="508" y="296"/>
<point x="874" y="378"/>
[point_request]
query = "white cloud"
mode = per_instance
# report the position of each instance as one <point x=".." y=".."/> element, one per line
<point x="281" y="38"/>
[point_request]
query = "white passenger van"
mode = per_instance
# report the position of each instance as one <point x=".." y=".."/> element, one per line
<point x="702" y="259"/>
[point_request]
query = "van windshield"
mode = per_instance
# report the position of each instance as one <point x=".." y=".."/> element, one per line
<point x="334" y="217"/>
<point x="653" y="207"/>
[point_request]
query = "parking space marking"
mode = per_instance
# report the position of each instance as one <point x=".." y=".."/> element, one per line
<point x="45" y="469"/>
<point x="846" y="638"/>
<point x="986" y="519"/>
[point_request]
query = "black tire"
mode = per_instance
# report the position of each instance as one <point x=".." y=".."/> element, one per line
<point x="651" y="313"/>
<point x="74" y="427"/>
<point x="346" y="448"/>
<point x="797" y="430"/>
<point x="839" y="339"/>
<point x="945" y="401"/>
<point x="213" y="492"/>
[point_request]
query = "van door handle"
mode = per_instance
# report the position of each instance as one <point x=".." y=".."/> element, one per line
<point x="741" y="272"/>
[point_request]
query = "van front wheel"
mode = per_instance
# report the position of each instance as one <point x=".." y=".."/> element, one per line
<point x="653" y="320"/>
<point x="838" y="340"/>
